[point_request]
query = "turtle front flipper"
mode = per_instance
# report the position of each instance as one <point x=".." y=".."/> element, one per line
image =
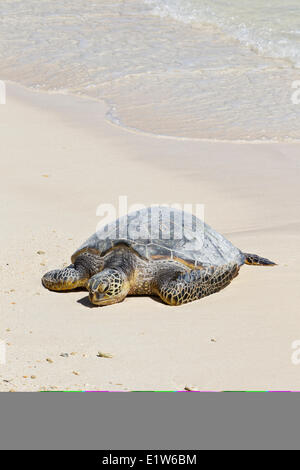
<point x="196" y="284"/>
<point x="76" y="275"/>
<point x="65" y="279"/>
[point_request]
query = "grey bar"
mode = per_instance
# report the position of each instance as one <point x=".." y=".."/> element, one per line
<point x="144" y="421"/>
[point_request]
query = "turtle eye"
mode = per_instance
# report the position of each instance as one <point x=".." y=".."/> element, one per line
<point x="103" y="287"/>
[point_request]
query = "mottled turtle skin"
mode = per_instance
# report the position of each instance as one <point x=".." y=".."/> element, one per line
<point x="157" y="251"/>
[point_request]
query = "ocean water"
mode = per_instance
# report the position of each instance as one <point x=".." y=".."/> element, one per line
<point x="202" y="69"/>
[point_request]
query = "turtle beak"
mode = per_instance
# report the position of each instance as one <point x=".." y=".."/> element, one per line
<point x="97" y="292"/>
<point x="96" y="298"/>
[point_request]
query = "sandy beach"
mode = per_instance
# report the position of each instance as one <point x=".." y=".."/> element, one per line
<point x="60" y="159"/>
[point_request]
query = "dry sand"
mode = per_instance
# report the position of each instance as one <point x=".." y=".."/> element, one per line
<point x="59" y="160"/>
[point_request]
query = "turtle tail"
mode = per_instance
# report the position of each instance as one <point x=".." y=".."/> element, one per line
<point x="255" y="260"/>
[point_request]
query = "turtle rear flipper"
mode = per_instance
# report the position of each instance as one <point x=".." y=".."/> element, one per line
<point x="196" y="284"/>
<point x="255" y="260"/>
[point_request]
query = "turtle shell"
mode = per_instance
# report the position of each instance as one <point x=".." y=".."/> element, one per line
<point x="161" y="232"/>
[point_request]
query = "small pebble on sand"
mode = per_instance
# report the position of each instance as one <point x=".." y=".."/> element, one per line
<point x="49" y="360"/>
<point x="104" y="355"/>
<point x="40" y="252"/>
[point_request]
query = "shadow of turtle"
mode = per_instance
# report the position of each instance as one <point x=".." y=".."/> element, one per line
<point x="85" y="302"/>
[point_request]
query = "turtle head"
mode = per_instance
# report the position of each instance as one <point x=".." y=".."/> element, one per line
<point x="108" y="287"/>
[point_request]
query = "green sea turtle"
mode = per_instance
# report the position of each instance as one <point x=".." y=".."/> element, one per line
<point x="156" y="251"/>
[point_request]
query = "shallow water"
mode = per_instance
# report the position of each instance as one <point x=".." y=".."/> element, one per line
<point x="201" y="69"/>
<point x="270" y="27"/>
